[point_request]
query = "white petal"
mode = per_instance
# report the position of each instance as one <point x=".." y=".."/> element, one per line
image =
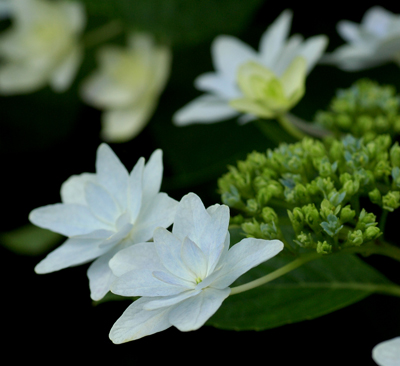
<point x="112" y="175"/>
<point x="218" y="85"/>
<point x="73" y="189"/>
<point x="152" y="175"/>
<point x="72" y="252"/>
<point x="100" y="275"/>
<point x="349" y="31"/>
<point x="143" y="283"/>
<point x="168" y="248"/>
<point x="243" y="256"/>
<point x="376" y="20"/>
<point x="204" y="109"/>
<point x="170" y="300"/>
<point x="117" y="237"/>
<point x="64" y="74"/>
<point x="160" y="211"/>
<point x="120" y="125"/>
<point x="228" y="53"/>
<point x="74" y="12"/>
<point x="194" y="259"/>
<point x="136" y="323"/>
<point x="192" y="313"/>
<point x="101" y="203"/>
<point x="141" y="256"/>
<point x="312" y="50"/>
<point x="135" y="195"/>
<point x="290" y="50"/>
<point x="15" y="79"/>
<point x="66" y="219"/>
<point x="273" y="40"/>
<point x="387" y="353"/>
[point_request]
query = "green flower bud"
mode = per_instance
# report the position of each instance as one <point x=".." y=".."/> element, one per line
<point x="232" y="198"/>
<point x="332" y="225"/>
<point x="252" y="229"/>
<point x="371" y="233"/>
<point x="324" y="248"/>
<point x="297" y="219"/>
<point x="365" y="123"/>
<point x="269" y="215"/>
<point x="305" y="240"/>
<point x="354" y="238"/>
<point x="347" y="214"/>
<point x="395" y="155"/>
<point x="375" y="196"/>
<point x="236" y="220"/>
<point x="391" y="200"/>
<point x="269" y="231"/>
<point x="365" y="220"/>
<point x="263" y="196"/>
<point x="312" y="217"/>
<point x="327" y="208"/>
<point x="252" y="206"/>
<point x="350" y="188"/>
<point x="382" y="169"/>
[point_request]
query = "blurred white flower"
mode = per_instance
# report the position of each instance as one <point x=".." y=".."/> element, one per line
<point x="261" y="84"/>
<point x="373" y="42"/>
<point x="127" y="85"/>
<point x="387" y="353"/>
<point x="41" y="47"/>
<point x="183" y="276"/>
<point x="104" y="212"/>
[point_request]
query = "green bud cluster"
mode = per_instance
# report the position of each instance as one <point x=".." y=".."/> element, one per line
<point x="366" y="109"/>
<point x="316" y="188"/>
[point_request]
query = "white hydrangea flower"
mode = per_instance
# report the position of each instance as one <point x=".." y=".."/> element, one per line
<point x="387" y="353"/>
<point x="42" y="46"/>
<point x="373" y="42"/>
<point x="127" y="85"/>
<point x="104" y="212"/>
<point x="260" y="84"/>
<point x="183" y="276"/>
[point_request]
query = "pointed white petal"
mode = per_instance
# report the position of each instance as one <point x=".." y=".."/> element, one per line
<point x="112" y="175"/>
<point x="243" y="256"/>
<point x="204" y="109"/>
<point x="74" y="13"/>
<point x="387" y="353"/>
<point x="349" y="31"/>
<point x="66" y="219"/>
<point x="192" y="313"/>
<point x="100" y="275"/>
<point x="117" y="237"/>
<point x="194" y="259"/>
<point x="273" y="39"/>
<point x="290" y="50"/>
<point x="376" y="20"/>
<point x="228" y="53"/>
<point x="160" y="211"/>
<point x="101" y="203"/>
<point x="72" y="252"/>
<point x="312" y="50"/>
<point x="141" y="256"/>
<point x="73" y="189"/>
<point x="136" y="322"/>
<point x="170" y="300"/>
<point x="152" y="175"/>
<point x="218" y="85"/>
<point x="135" y="192"/>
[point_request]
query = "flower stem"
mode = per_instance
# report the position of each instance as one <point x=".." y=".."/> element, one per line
<point x="102" y="34"/>
<point x="290" y="128"/>
<point x="379" y="247"/>
<point x="277" y="273"/>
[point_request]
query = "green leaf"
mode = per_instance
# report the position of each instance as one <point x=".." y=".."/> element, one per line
<point x="179" y="21"/>
<point x="317" y="288"/>
<point x="30" y="240"/>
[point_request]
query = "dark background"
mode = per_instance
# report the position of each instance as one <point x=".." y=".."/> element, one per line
<point x="45" y="138"/>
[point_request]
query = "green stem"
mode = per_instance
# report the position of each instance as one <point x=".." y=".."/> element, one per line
<point x="290" y="128"/>
<point x="277" y="273"/>
<point x="382" y="220"/>
<point x="102" y="34"/>
<point x="378" y="247"/>
<point x="272" y="131"/>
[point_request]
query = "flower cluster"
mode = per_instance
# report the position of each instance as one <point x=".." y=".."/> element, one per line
<point x="366" y="109"/>
<point x="320" y="186"/>
<point x="42" y="47"/>
<point x="264" y="84"/>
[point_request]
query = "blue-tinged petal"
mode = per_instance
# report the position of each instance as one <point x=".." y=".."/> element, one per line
<point x="274" y="38"/>
<point x="135" y="189"/>
<point x="170" y="300"/>
<point x="143" y="283"/>
<point x="136" y="322"/>
<point x="217" y="84"/>
<point x="204" y="109"/>
<point x="66" y="219"/>
<point x="160" y="211"/>
<point x="72" y="252"/>
<point x="192" y="313"/>
<point x="73" y="189"/>
<point x="243" y="256"/>
<point x="376" y="20"/>
<point x="101" y="203"/>
<point x="112" y="175"/>
<point x="387" y="353"/>
<point x="168" y="248"/>
<point x="141" y="256"/>
<point x="152" y="175"/>
<point x="228" y="53"/>
<point x="194" y="259"/>
<point x="100" y="275"/>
